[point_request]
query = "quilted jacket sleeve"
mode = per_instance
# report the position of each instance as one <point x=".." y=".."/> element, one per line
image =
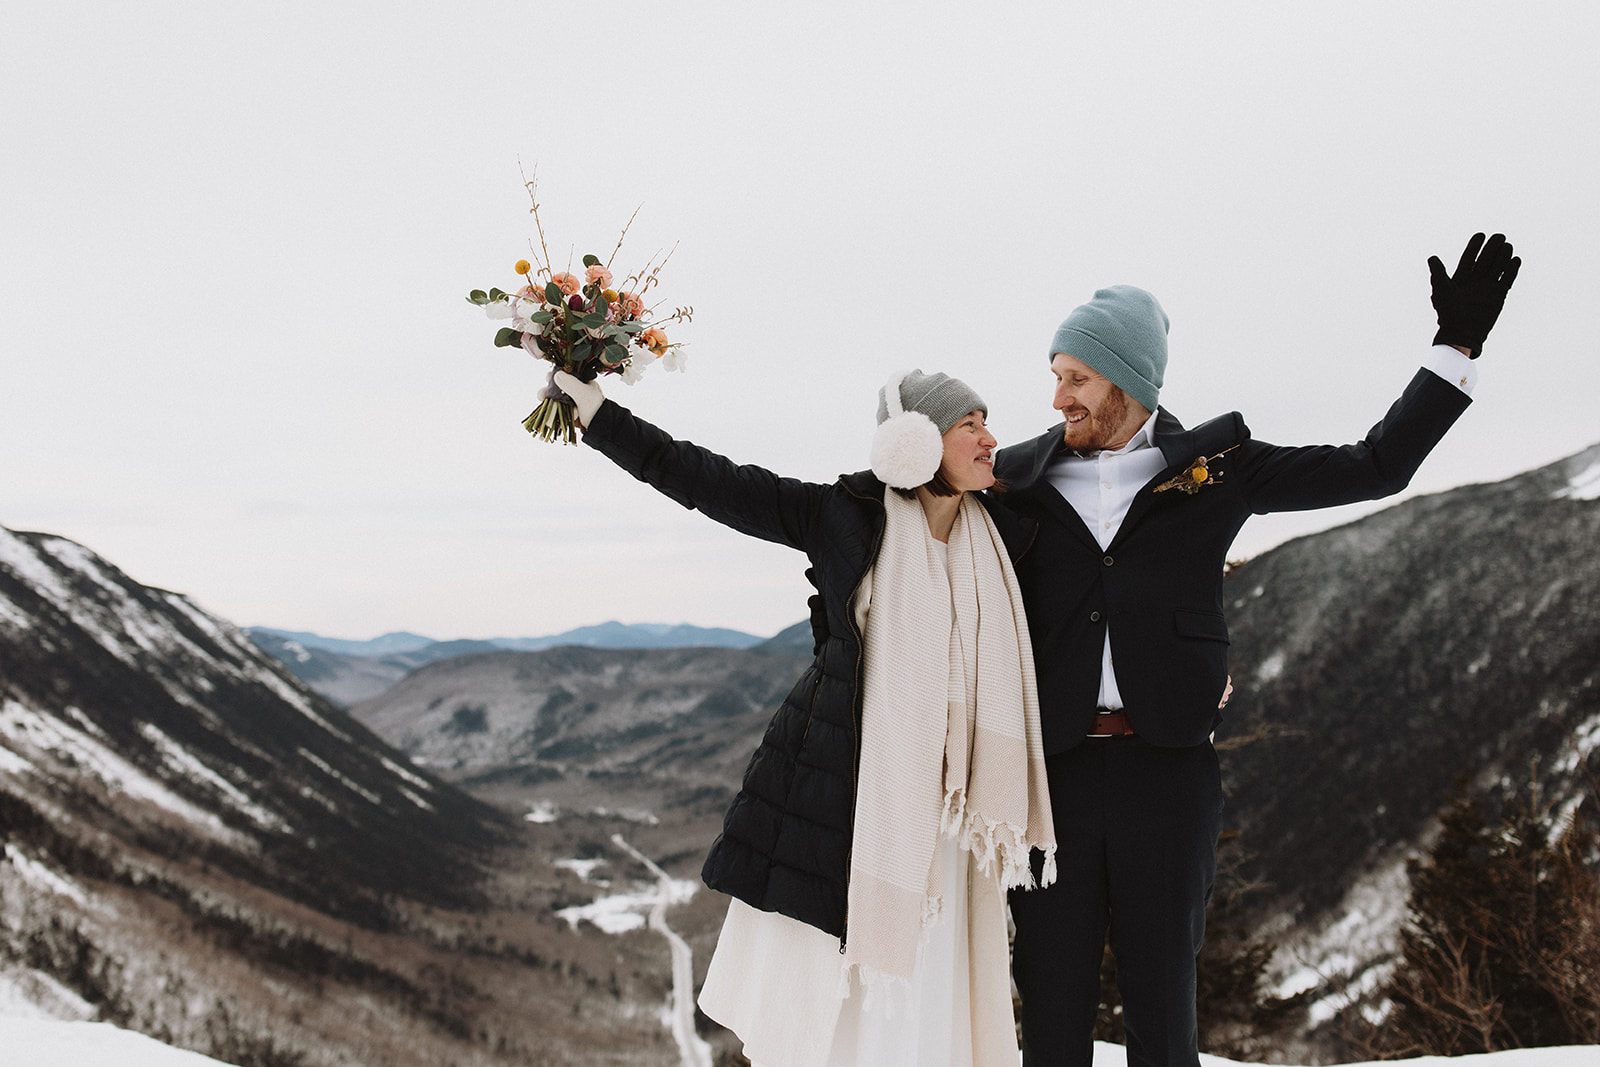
<point x="747" y="498"/>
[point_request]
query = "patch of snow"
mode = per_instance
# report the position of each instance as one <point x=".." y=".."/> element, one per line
<point x="311" y="794"/>
<point x="13" y="616"/>
<point x="294" y="698"/>
<point x="1585" y="485"/>
<point x="45" y="734"/>
<point x="1356" y="952"/>
<point x="29" y="994"/>
<point x="622" y="912"/>
<point x="415" y="779"/>
<point x="51" y="1043"/>
<point x="188" y="765"/>
<point x="418" y="801"/>
<point x="544" y="811"/>
<point x="11" y="763"/>
<point x="630" y="814"/>
<point x="350" y="784"/>
<point x="41" y="877"/>
<point x="582" y="868"/>
<point x="1270" y="668"/>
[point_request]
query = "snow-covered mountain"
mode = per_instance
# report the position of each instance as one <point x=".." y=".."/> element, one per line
<point x="195" y="846"/>
<point x="1452" y="635"/>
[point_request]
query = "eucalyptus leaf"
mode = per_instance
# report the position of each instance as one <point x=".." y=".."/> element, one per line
<point x="552" y="293"/>
<point x="614" y="354"/>
<point x="591" y="261"/>
<point x="498" y="294"/>
<point x="541" y="316"/>
<point x="634" y="326"/>
<point x="506" y="337"/>
<point x="478" y="296"/>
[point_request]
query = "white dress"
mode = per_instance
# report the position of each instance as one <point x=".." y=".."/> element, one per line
<point x="782" y="985"/>
<point x="779" y="985"/>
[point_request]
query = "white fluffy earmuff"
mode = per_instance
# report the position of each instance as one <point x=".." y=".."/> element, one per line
<point x="907" y="447"/>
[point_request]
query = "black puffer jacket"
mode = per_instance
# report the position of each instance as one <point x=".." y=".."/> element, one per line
<point x="785" y="841"/>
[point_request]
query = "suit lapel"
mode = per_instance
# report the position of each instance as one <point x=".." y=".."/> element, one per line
<point x="1177" y="450"/>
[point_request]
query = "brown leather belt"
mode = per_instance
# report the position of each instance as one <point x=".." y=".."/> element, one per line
<point x="1111" y="724"/>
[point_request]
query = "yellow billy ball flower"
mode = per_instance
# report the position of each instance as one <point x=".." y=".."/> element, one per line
<point x="523" y="266"/>
<point x="1199" y="474"/>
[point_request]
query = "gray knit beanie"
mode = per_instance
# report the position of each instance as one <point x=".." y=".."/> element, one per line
<point x="915" y="410"/>
<point x="1122" y="333"/>
<point x="940" y="397"/>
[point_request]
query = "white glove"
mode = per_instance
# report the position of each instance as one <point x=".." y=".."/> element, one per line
<point x="586" y="395"/>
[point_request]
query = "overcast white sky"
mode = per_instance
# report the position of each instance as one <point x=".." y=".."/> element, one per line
<point x="235" y="239"/>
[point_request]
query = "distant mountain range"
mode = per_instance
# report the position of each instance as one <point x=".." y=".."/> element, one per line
<point x="348" y="672"/>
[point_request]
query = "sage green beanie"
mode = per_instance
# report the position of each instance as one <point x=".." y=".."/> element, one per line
<point x="1122" y="333"/>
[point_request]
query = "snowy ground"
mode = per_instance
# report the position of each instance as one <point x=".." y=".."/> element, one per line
<point x="52" y="1043"/>
<point x="49" y="1043"/>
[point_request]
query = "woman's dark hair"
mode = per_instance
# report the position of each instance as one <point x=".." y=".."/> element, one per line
<point x="939" y="487"/>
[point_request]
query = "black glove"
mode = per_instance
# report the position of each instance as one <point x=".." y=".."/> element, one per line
<point x="1469" y="300"/>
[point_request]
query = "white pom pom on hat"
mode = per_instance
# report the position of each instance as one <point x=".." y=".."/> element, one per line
<point x="908" y="446"/>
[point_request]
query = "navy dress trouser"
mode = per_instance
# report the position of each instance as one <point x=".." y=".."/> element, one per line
<point x="1136" y="834"/>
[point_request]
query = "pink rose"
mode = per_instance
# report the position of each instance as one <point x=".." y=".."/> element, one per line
<point x="567" y="283"/>
<point x="632" y="306"/>
<point x="598" y="275"/>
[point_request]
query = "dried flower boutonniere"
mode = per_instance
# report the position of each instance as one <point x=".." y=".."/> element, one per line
<point x="1196" y="477"/>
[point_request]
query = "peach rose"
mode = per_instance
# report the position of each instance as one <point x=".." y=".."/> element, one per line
<point x="655" y="339"/>
<point x="567" y="283"/>
<point x="599" y="275"/>
<point x="632" y="306"/>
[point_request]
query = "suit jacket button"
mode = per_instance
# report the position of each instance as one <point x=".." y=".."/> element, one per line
<point x="1107" y="561"/>
<point x="1094" y="616"/>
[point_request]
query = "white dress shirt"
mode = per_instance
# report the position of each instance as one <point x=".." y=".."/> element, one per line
<point x="1101" y="486"/>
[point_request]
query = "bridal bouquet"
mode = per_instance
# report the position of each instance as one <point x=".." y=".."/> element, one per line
<point x="585" y="326"/>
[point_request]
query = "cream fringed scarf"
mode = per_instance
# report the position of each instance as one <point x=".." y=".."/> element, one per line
<point x="950" y="739"/>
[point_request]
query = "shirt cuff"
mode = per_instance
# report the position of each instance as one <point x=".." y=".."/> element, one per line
<point x="1448" y="363"/>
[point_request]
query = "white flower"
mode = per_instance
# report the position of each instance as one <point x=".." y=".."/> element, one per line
<point x="634" y="369"/>
<point x="674" y="359"/>
<point x="497" y="309"/>
<point x="522" y="316"/>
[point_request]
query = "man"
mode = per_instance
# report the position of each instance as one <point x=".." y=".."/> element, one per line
<point x="1123" y="588"/>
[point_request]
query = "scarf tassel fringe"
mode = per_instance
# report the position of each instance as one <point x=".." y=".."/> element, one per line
<point x="996" y="844"/>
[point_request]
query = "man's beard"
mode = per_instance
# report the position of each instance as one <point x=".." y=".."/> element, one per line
<point x="1100" y="428"/>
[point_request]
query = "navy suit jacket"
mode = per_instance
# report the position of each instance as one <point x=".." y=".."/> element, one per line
<point x="1158" y="585"/>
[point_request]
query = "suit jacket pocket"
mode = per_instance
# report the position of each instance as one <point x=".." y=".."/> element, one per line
<point x="1207" y="625"/>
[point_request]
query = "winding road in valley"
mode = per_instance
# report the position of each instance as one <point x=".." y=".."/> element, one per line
<point x="693" y="1052"/>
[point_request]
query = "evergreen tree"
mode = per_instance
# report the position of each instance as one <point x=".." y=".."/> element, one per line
<point x="1502" y="947"/>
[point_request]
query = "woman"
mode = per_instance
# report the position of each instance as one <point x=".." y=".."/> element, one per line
<point x="900" y="787"/>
